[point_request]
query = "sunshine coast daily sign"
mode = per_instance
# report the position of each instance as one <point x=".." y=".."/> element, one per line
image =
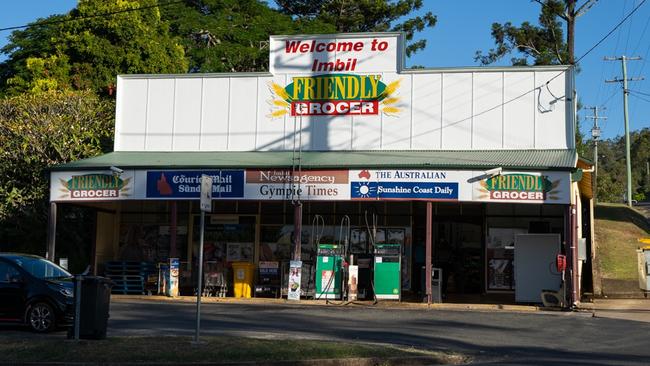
<point x="336" y="77"/>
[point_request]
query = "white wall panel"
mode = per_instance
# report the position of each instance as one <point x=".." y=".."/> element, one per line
<point x="487" y="121"/>
<point x="270" y="130"/>
<point x="519" y="114"/>
<point x="131" y="114"/>
<point x="160" y="115"/>
<point x="243" y="114"/>
<point x="449" y="110"/>
<point x="549" y="134"/>
<point x="427" y="111"/>
<point x="215" y="114"/>
<point x="457" y="111"/>
<point x="366" y="132"/>
<point x="187" y="112"/>
<point x="396" y="128"/>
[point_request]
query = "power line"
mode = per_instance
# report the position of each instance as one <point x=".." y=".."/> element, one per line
<point x="643" y="99"/>
<point x="563" y="71"/>
<point x="638" y="92"/>
<point x="50" y="22"/>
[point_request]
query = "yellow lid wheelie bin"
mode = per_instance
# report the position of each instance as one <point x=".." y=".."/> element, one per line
<point x="243" y="278"/>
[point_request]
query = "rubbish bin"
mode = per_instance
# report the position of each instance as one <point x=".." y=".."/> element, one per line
<point x="94" y="307"/>
<point x="643" y="255"/>
<point x="243" y="278"/>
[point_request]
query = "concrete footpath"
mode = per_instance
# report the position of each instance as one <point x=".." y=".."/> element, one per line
<point x="379" y="304"/>
<point x="625" y="309"/>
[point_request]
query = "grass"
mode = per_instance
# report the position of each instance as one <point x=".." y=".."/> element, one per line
<point x="215" y="349"/>
<point x="618" y="229"/>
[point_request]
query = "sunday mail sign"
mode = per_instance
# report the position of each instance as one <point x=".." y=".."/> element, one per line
<point x="340" y="53"/>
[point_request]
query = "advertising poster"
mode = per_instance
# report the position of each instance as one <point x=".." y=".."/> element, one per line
<point x="279" y="184"/>
<point x="407" y="184"/>
<point x="91" y="186"/>
<point x="172" y="278"/>
<point x="524" y="187"/>
<point x="295" y="274"/>
<point x="186" y="184"/>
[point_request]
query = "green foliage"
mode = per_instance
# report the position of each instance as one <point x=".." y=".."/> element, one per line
<point x="612" y="177"/>
<point x="365" y="16"/>
<point x="36" y="132"/>
<point x="231" y="35"/>
<point x="89" y="53"/>
<point x="541" y="44"/>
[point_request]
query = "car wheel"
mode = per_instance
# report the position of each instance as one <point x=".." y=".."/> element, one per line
<point x="40" y="317"/>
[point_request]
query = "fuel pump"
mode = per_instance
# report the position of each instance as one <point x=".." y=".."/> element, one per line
<point x="329" y="273"/>
<point x="387" y="272"/>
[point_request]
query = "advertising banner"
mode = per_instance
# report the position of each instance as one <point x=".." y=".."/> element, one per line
<point x="524" y="187"/>
<point x="172" y="277"/>
<point x="178" y="184"/>
<point x="91" y="186"/>
<point x="279" y="184"/>
<point x="407" y="184"/>
<point x="340" y="53"/>
<point x="295" y="274"/>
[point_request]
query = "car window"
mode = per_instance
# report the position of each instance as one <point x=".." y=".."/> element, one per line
<point x="8" y="273"/>
<point x="41" y="268"/>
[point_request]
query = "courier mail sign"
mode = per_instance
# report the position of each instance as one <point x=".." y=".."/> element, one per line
<point x="335" y="77"/>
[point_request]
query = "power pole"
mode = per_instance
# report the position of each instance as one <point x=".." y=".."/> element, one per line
<point x="624" y="80"/>
<point x="595" y="135"/>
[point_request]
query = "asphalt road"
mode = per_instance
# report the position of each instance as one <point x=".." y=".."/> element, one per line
<point x="490" y="338"/>
<point x="501" y="338"/>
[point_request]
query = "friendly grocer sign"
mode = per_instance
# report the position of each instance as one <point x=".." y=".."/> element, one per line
<point x="551" y="187"/>
<point x="335" y="95"/>
<point x="93" y="186"/>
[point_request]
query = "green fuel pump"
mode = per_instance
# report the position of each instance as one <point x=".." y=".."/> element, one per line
<point x="387" y="273"/>
<point x="329" y="258"/>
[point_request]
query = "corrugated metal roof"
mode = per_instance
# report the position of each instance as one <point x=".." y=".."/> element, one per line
<point x="558" y="159"/>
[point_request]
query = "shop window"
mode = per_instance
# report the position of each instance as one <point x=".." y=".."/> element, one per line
<point x="471" y="209"/>
<point x="447" y="209"/>
<point x="553" y="210"/>
<point x="500" y="209"/>
<point x="247" y="207"/>
<point x="272" y="212"/>
<point x="223" y="206"/>
<point x="527" y="210"/>
<point x="351" y="209"/>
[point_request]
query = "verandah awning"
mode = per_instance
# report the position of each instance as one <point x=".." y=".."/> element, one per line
<point x="553" y="159"/>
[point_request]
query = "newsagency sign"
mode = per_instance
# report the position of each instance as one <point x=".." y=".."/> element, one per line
<point x="314" y="185"/>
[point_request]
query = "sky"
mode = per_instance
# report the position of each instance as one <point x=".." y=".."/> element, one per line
<point x="462" y="30"/>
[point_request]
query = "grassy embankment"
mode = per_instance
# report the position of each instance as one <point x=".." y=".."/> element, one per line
<point x="618" y="229"/>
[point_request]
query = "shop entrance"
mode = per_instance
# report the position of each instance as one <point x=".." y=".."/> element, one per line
<point x="458" y="250"/>
<point x="227" y="239"/>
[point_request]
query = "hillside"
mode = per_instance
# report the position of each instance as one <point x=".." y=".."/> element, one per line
<point x="618" y="229"/>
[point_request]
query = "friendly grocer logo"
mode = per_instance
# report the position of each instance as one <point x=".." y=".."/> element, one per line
<point x="335" y="95"/>
<point x="89" y="186"/>
<point x="518" y="187"/>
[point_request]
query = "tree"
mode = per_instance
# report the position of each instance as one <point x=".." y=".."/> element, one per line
<point x="36" y="132"/>
<point x="365" y="16"/>
<point x="230" y="35"/>
<point x="87" y="53"/>
<point x="543" y="43"/>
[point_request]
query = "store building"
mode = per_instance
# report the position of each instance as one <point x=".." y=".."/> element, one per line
<point x="453" y="164"/>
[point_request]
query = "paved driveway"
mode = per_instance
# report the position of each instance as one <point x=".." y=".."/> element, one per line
<point x="501" y="338"/>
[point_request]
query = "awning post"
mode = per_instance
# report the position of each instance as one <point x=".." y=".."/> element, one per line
<point x="428" y="253"/>
<point x="51" y="232"/>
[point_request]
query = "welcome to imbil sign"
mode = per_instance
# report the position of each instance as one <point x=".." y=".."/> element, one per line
<point x="338" y="76"/>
